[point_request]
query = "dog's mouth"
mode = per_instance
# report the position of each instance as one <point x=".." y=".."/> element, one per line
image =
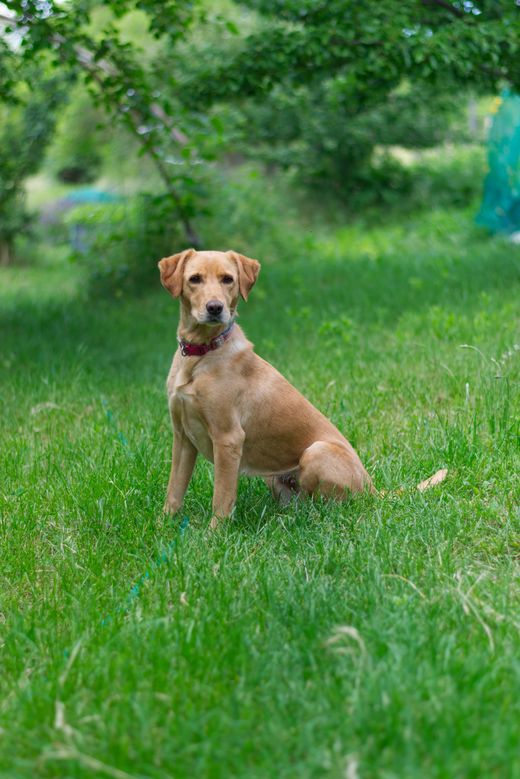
<point x="214" y="319"/>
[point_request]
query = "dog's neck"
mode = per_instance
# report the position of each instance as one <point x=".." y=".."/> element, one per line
<point x="192" y="331"/>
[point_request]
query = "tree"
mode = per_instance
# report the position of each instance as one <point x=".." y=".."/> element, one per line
<point x="350" y="55"/>
<point x="119" y="81"/>
<point x="315" y="132"/>
<point x="373" y="45"/>
<point x="319" y="82"/>
<point x="25" y="128"/>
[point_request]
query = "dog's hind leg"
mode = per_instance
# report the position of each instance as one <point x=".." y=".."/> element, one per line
<point x="332" y="469"/>
<point x="284" y="487"/>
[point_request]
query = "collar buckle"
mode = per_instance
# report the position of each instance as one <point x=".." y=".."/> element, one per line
<point x="182" y="347"/>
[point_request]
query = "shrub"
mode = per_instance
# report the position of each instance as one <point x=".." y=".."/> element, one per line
<point x="400" y="179"/>
<point x="75" y="154"/>
<point x="255" y="214"/>
<point x="327" y="139"/>
<point x="447" y="176"/>
<point x="119" y="244"/>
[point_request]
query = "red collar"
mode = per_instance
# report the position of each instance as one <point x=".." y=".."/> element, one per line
<point x="199" y="350"/>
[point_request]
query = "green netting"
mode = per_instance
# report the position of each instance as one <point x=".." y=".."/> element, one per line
<point x="500" y="209"/>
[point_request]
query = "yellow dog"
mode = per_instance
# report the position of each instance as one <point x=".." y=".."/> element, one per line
<point x="233" y="407"/>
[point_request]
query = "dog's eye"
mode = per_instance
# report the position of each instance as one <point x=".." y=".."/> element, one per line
<point x="195" y="279"/>
<point x="227" y="279"/>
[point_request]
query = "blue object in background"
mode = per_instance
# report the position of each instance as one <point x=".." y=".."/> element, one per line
<point x="92" y="195"/>
<point x="500" y="209"/>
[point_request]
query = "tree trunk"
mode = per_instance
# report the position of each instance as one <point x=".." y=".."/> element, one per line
<point x="6" y="254"/>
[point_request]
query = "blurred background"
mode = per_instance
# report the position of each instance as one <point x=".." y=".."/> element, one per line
<point x="129" y="130"/>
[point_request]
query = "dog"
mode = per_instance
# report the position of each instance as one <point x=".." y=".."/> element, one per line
<point x="233" y="407"/>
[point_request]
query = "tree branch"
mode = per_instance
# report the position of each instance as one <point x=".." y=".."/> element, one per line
<point x="337" y="41"/>
<point x="87" y="61"/>
<point x="97" y="68"/>
<point x="135" y="120"/>
<point x="447" y="7"/>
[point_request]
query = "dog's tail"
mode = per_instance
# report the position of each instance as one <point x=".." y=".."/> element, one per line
<point x="427" y="484"/>
<point x="433" y="480"/>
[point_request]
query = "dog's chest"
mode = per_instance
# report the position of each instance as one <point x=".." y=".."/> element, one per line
<point x="185" y="409"/>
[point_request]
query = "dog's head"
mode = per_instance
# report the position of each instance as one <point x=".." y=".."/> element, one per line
<point x="209" y="283"/>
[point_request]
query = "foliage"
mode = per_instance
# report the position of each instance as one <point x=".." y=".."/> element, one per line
<point x="245" y="207"/>
<point x="334" y="73"/>
<point x="76" y="152"/>
<point x="122" y="81"/>
<point x="315" y="132"/>
<point x="25" y="130"/>
<point x="119" y="244"/>
<point x="378" y="637"/>
<point x="319" y="85"/>
<point x="373" y="46"/>
<point x="398" y="179"/>
<point x="452" y="176"/>
<point x="253" y="214"/>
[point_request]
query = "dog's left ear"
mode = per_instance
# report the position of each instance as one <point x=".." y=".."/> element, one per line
<point x="248" y="271"/>
<point x="172" y="269"/>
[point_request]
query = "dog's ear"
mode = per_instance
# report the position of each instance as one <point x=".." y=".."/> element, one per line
<point x="248" y="271"/>
<point x="172" y="269"/>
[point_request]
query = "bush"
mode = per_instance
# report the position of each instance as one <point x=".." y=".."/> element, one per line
<point x="449" y="176"/>
<point x="25" y="129"/>
<point x="400" y="179"/>
<point x="264" y="216"/>
<point x="120" y="244"/>
<point x="327" y="139"/>
<point x="254" y="214"/>
<point x="75" y="155"/>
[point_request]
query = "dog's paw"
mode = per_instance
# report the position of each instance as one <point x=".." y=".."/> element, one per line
<point x="171" y="506"/>
<point x="218" y="521"/>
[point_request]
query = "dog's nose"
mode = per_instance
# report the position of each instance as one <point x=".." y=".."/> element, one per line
<point x="214" y="307"/>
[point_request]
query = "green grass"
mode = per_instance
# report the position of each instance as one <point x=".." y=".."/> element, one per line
<point x="379" y="638"/>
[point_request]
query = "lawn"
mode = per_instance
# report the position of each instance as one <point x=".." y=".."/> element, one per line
<point x="377" y="638"/>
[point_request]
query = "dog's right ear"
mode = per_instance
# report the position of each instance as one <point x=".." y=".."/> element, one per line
<point x="248" y="271"/>
<point x="172" y="269"/>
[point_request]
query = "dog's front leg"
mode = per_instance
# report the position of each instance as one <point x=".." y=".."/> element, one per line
<point x="227" y="454"/>
<point x="184" y="455"/>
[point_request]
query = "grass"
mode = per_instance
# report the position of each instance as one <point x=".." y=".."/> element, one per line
<point x="378" y="638"/>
